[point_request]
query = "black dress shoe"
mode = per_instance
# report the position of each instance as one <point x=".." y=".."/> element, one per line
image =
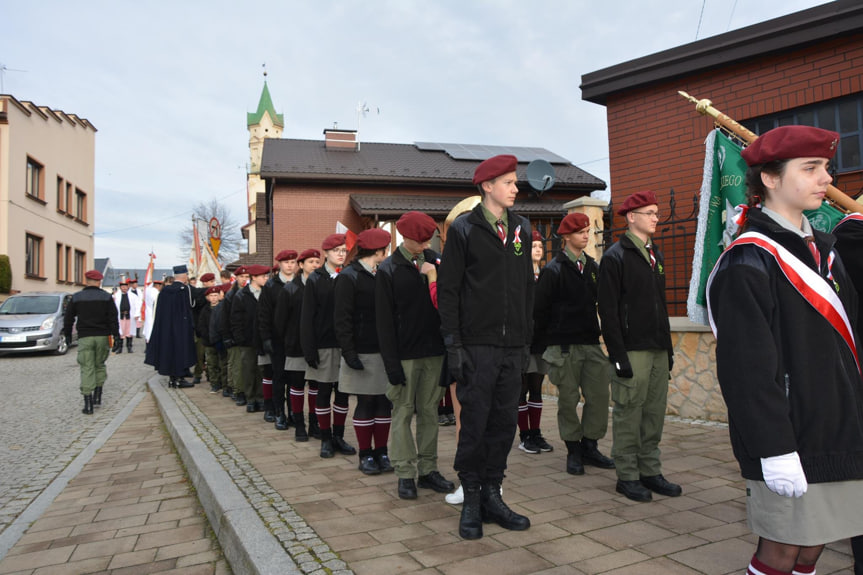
<point x="383" y="460"/>
<point x="633" y="490"/>
<point x="281" y="422"/>
<point x="250" y="407"/>
<point x="241" y="399"/>
<point x="407" y="489"/>
<point x="182" y="383"/>
<point x="659" y="484"/>
<point x="436" y="482"/>
<point x="592" y="456"/>
<point x="369" y="465"/>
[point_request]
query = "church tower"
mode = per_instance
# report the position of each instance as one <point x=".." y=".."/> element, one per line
<point x="262" y="124"/>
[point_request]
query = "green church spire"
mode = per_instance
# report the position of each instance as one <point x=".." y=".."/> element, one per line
<point x="265" y="105"/>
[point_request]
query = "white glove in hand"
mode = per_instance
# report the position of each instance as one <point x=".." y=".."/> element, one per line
<point x="784" y="475"/>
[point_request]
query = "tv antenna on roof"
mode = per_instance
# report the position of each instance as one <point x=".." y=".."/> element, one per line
<point x="3" y="70"/>
<point x="362" y="111"/>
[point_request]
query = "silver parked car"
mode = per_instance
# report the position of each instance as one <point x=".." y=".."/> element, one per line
<point x="34" y="322"/>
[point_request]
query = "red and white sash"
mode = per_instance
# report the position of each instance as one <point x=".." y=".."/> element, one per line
<point x="805" y="280"/>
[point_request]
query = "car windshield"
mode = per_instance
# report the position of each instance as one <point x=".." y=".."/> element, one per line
<point x="30" y="305"/>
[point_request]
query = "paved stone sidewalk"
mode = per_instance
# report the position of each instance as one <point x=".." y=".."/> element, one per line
<point x="129" y="511"/>
<point x="579" y="524"/>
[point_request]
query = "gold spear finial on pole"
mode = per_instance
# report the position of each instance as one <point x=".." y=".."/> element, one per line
<point x="705" y="108"/>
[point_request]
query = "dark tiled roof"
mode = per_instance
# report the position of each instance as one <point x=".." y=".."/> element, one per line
<point x="439" y="206"/>
<point x="113" y="276"/>
<point x="310" y="161"/>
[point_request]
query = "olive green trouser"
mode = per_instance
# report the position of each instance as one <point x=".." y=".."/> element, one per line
<point x="581" y="370"/>
<point x="92" y="353"/>
<point x="214" y="367"/>
<point x="200" y="353"/>
<point x="248" y="376"/>
<point x="420" y="393"/>
<point x="639" y="414"/>
<point x="231" y="365"/>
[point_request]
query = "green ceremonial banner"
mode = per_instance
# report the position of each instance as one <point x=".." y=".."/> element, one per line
<point x="723" y="189"/>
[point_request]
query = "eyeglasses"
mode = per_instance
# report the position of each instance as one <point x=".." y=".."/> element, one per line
<point x="648" y="214"/>
<point x="340" y="251"/>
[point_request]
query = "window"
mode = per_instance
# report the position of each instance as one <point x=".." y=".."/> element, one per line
<point x="69" y="200"/>
<point x="61" y="195"/>
<point x="33" y="186"/>
<point x="80" y="264"/>
<point x="68" y="276"/>
<point x="843" y="115"/>
<point x="33" y="256"/>
<point x="61" y="259"/>
<point x="80" y="205"/>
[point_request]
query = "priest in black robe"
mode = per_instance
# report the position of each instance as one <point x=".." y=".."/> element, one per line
<point x="171" y="349"/>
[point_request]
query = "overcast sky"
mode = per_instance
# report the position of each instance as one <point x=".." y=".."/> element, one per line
<point x="168" y="84"/>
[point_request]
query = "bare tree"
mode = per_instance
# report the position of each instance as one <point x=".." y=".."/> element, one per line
<point x="232" y="238"/>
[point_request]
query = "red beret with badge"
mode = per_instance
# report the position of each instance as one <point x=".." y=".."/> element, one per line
<point x="574" y="222"/>
<point x="212" y="290"/>
<point x="416" y="226"/>
<point x="309" y="253"/>
<point x="787" y="142"/>
<point x="494" y="167"/>
<point x="242" y="270"/>
<point x="94" y="275"/>
<point x="373" y="239"/>
<point x="536" y="236"/>
<point x="257" y="270"/>
<point x="333" y="241"/>
<point x="208" y="277"/>
<point x="286" y="255"/>
<point x="637" y="200"/>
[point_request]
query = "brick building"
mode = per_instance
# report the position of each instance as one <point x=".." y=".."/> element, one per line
<point x="804" y="68"/>
<point x="299" y="190"/>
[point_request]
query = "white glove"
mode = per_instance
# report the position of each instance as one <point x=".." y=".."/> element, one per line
<point x="784" y="475"/>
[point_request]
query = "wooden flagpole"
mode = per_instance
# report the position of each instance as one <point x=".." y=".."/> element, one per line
<point x="705" y="107"/>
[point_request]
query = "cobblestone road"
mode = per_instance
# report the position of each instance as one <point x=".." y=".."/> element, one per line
<point x="43" y="428"/>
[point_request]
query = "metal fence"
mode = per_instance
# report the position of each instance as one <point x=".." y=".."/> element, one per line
<point x="675" y="237"/>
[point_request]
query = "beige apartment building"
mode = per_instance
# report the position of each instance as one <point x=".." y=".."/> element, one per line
<point x="47" y="195"/>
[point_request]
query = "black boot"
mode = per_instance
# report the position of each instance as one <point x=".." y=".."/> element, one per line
<point x="269" y="416"/>
<point x="495" y="510"/>
<point x="97" y="396"/>
<point x="300" y="428"/>
<point x="118" y="345"/>
<point x="368" y="464"/>
<point x="88" y="404"/>
<point x="339" y="442"/>
<point x="226" y="391"/>
<point x="241" y="399"/>
<point x="592" y="456"/>
<point x="314" y="428"/>
<point x="327" y="444"/>
<point x="129" y="344"/>
<point x="470" y="523"/>
<point x="574" y="463"/>
<point x="281" y="422"/>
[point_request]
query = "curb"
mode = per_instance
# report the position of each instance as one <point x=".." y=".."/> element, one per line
<point x="248" y="545"/>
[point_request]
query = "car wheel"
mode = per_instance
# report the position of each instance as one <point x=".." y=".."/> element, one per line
<point x="62" y="347"/>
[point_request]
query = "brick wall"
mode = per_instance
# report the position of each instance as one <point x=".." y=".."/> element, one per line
<point x="656" y="139"/>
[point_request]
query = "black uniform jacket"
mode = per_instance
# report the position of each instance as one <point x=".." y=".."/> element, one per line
<point x="202" y="328"/>
<point x="408" y="323"/>
<point x="354" y="311"/>
<point x="215" y="336"/>
<point x="96" y="313"/>
<point x="244" y="319"/>
<point x="631" y="301"/>
<point x="225" y="319"/>
<point x="267" y="303"/>
<point x="485" y="287"/>
<point x="789" y="380"/>
<point x="849" y="245"/>
<point x="289" y="308"/>
<point x="317" y="329"/>
<point x="565" y="308"/>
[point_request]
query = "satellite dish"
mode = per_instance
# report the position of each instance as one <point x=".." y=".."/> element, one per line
<point x="540" y="175"/>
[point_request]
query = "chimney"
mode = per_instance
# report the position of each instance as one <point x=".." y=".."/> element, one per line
<point x="335" y="139"/>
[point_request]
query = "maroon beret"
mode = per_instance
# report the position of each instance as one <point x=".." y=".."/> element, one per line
<point x="257" y="270"/>
<point x="94" y="275"/>
<point x="416" y="226"/>
<point x="242" y="270"/>
<point x="213" y="289"/>
<point x="286" y="255"/>
<point x="788" y="142"/>
<point x="494" y="167"/>
<point x="207" y="277"/>
<point x="574" y="222"/>
<point x="535" y="236"/>
<point x="637" y="200"/>
<point x="333" y="241"/>
<point x="224" y="287"/>
<point x="373" y="239"/>
<point x="309" y="253"/>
